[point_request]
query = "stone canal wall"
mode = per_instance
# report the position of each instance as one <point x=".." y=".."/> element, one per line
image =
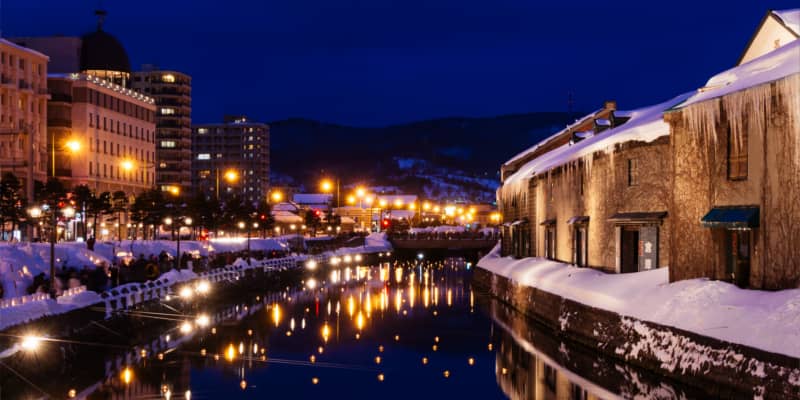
<point x="722" y="368"/>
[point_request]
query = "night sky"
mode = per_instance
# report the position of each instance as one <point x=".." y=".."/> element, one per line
<point x="378" y="62"/>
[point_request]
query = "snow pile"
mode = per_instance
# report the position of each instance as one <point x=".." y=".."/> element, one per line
<point x="29" y="311"/>
<point x="645" y="125"/>
<point x="376" y="242"/>
<point x="766" y="320"/>
<point x="239" y="244"/>
<point x="772" y="66"/>
<point x="20" y="262"/>
<point x="147" y="248"/>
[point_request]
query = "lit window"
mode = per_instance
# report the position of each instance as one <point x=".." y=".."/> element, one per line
<point x="168" y="78"/>
<point x="202" y="131"/>
<point x="167" y="143"/>
<point x="167" y="111"/>
<point x="204" y="156"/>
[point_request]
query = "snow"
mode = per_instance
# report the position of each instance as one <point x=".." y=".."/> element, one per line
<point x="790" y="18"/>
<point x="20" y="262"/>
<point x="645" y="125"/>
<point x="439" y="229"/>
<point x="777" y="64"/>
<point x="553" y="136"/>
<point x="766" y="320"/>
<point x="25" y="312"/>
<point x="147" y="248"/>
<point x="239" y="244"/>
<point x="290" y="207"/>
<point x="286" y="217"/>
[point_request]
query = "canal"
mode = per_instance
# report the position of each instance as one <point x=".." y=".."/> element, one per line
<point x="400" y="329"/>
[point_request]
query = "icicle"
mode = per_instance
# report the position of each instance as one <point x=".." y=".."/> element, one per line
<point x="788" y="90"/>
<point x="745" y="112"/>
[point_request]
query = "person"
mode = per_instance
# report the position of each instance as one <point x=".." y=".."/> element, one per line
<point x="90" y="243"/>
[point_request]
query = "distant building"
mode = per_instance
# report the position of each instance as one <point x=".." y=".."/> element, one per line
<point x="23" y="114"/>
<point x="172" y="92"/>
<point x="102" y="132"/>
<point x="238" y="145"/>
<point x="313" y="201"/>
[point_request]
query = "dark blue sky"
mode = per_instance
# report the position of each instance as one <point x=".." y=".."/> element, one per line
<point x="376" y="62"/>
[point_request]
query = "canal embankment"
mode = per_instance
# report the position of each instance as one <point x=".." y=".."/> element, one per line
<point x="696" y="332"/>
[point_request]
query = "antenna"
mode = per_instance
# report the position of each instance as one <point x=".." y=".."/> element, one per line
<point x="101" y="15"/>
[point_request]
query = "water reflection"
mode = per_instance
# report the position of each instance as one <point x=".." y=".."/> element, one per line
<point x="397" y="330"/>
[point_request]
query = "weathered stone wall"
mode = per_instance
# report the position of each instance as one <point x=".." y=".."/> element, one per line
<point x="719" y="368"/>
<point x="558" y="196"/>
<point x="699" y="145"/>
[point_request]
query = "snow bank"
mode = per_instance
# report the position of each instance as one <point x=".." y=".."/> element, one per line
<point x="238" y="244"/>
<point x="29" y="311"/>
<point x="149" y="247"/>
<point x="20" y="262"/>
<point x="766" y="320"/>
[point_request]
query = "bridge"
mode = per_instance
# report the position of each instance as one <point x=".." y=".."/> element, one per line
<point x="470" y="246"/>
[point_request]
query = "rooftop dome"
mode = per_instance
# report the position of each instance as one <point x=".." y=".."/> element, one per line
<point x="102" y="51"/>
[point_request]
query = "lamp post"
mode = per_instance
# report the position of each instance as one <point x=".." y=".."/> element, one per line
<point x="73" y="146"/>
<point x="327" y="187"/>
<point x="230" y="176"/>
<point x="36" y="213"/>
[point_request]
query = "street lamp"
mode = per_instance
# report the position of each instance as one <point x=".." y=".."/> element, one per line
<point x="72" y="146"/>
<point x="230" y="176"/>
<point x="327" y="187"/>
<point x="276" y="196"/>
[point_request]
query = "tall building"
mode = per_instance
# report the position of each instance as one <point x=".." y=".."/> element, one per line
<point x="172" y="92"/>
<point x="23" y="113"/>
<point x="100" y="132"/>
<point x="231" y="158"/>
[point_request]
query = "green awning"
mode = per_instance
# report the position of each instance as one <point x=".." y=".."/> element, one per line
<point x="731" y="217"/>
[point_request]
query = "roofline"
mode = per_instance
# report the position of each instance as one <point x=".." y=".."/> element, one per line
<point x="24" y="48"/>
<point x="770" y="13"/>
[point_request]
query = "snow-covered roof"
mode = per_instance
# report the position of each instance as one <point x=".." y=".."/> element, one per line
<point x="790" y="18"/>
<point x="553" y="136"/>
<point x="286" y="217"/>
<point x="777" y="64"/>
<point x="645" y="125"/>
<point x="285" y="207"/>
<point x="312" y="198"/>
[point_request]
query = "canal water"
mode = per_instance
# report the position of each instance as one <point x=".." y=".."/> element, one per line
<point x="397" y="330"/>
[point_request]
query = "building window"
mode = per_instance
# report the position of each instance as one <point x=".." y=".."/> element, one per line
<point x="737" y="155"/>
<point x="169" y="78"/>
<point x="202" y="131"/>
<point x="167" y="144"/>
<point x="633" y="172"/>
<point x="91" y="120"/>
<point x="167" y="111"/>
<point x="204" y="156"/>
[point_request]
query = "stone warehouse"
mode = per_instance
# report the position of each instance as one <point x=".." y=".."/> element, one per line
<point x="707" y="183"/>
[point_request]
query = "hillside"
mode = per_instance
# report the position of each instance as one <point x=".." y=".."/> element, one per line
<point x="468" y="147"/>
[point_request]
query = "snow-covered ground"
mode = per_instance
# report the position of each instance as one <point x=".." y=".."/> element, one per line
<point x="766" y="320"/>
